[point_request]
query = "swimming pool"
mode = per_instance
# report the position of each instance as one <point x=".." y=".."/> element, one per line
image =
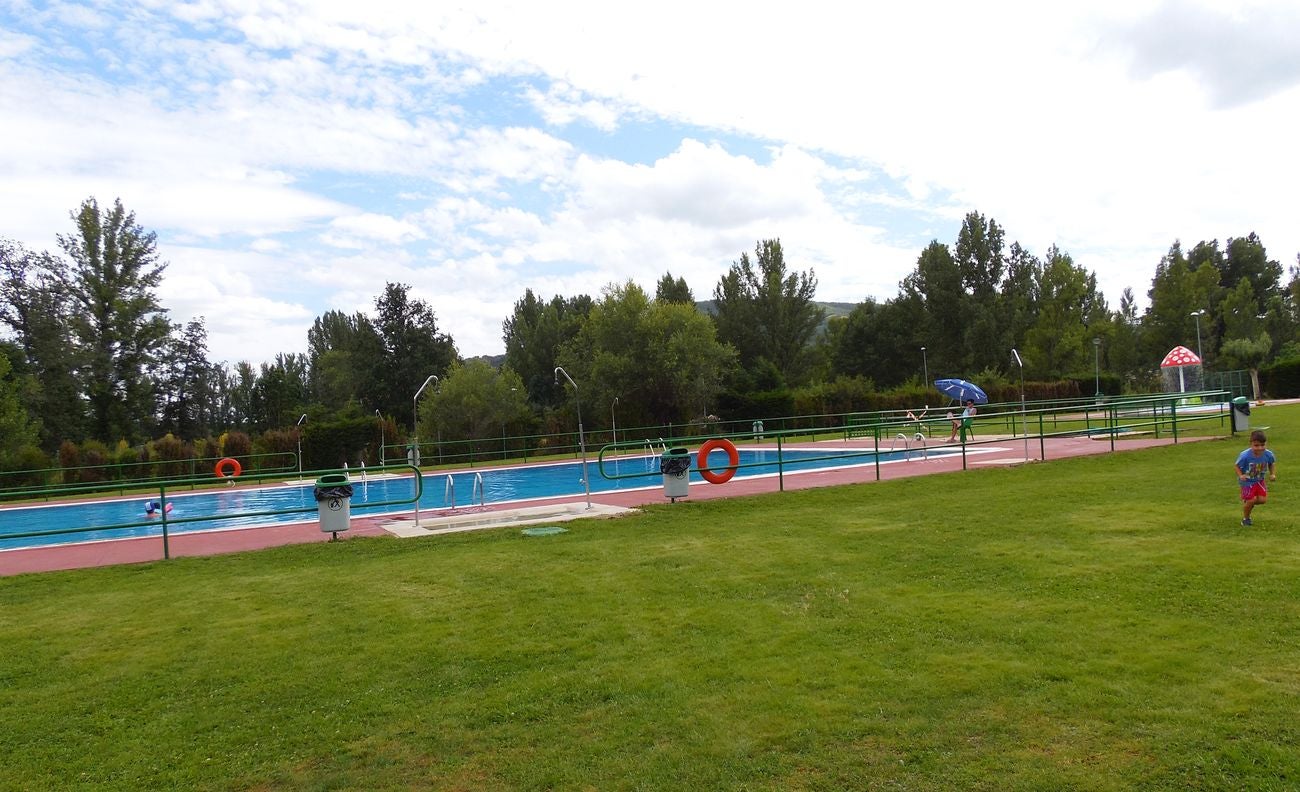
<point x="231" y="507"/>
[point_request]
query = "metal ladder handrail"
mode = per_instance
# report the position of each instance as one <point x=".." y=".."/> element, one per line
<point x="479" y="489"/>
<point x="919" y="437"/>
<point x="449" y="492"/>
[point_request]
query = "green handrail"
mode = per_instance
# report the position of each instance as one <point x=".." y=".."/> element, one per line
<point x="165" y="521"/>
<point x="255" y="468"/>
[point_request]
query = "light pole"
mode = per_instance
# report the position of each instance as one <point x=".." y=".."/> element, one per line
<point x="504" y="448"/>
<point x="414" y="457"/>
<point x="381" y="438"/>
<point x="299" y="433"/>
<point x="1197" y="314"/>
<point x="1096" y="364"/>
<point x="415" y="417"/>
<point x="925" y="369"/>
<point x="582" y="445"/>
<point x="1024" y="419"/>
<point x="614" y="423"/>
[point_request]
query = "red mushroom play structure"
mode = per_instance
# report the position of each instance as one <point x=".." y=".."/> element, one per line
<point x="1183" y="364"/>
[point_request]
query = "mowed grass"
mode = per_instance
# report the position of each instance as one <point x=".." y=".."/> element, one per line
<point x="1095" y="623"/>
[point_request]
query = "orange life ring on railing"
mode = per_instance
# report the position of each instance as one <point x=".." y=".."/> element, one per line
<point x="228" y="462"/>
<point x="702" y="460"/>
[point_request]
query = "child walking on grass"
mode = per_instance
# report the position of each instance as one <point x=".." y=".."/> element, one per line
<point x="1252" y="465"/>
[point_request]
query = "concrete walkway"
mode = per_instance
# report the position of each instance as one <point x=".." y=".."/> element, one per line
<point x="987" y="451"/>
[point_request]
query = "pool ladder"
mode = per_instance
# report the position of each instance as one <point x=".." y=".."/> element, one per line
<point x="651" y="454"/>
<point x="919" y="438"/>
<point x="479" y="492"/>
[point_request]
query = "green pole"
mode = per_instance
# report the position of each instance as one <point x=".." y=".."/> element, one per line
<point x="780" y="468"/>
<point x="162" y="503"/>
<point x="875" y="434"/>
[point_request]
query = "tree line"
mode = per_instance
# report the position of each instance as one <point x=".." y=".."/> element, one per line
<point x="91" y="362"/>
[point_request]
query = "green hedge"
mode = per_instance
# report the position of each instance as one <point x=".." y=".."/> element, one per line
<point x="1281" y="380"/>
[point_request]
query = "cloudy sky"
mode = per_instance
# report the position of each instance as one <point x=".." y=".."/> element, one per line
<point x="295" y="156"/>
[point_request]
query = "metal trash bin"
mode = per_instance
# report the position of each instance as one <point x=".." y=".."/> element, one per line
<point x="333" y="494"/>
<point x="1240" y="414"/>
<point x="675" y="465"/>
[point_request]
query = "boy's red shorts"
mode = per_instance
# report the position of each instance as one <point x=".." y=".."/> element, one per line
<point x="1253" y="490"/>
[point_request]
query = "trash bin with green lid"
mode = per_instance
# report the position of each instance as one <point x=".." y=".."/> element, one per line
<point x="333" y="494"/>
<point x="1240" y="414"/>
<point x="675" y="465"/>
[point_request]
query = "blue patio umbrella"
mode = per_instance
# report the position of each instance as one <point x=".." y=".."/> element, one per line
<point x="961" y="390"/>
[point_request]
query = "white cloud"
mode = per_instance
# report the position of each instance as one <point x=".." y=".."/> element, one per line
<point x="247" y="301"/>
<point x="477" y="152"/>
<point x="561" y="105"/>
<point x="697" y="184"/>
<point x="14" y="44"/>
<point x="381" y="228"/>
<point x="1239" y="53"/>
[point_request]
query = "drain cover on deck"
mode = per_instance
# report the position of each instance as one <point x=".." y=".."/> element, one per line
<point x="543" y="530"/>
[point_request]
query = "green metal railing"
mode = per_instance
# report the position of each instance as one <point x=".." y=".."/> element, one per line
<point x="523" y="448"/>
<point x="55" y="480"/>
<point x="165" y="521"/>
<point x="1106" y="418"/>
<point x="1112" y="417"/>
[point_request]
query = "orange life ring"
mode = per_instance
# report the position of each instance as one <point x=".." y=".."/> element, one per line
<point x="702" y="460"/>
<point x="228" y="462"/>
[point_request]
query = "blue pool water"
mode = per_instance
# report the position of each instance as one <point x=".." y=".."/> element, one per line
<point x="232" y="508"/>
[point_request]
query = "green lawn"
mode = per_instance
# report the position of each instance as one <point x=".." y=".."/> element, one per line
<point x="1093" y="623"/>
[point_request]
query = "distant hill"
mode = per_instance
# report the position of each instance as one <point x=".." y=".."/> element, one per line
<point x="494" y="361"/>
<point x="838" y="309"/>
<point x="831" y="308"/>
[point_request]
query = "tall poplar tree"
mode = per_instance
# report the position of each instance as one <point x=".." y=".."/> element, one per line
<point x="534" y="334"/>
<point x="1058" y="343"/>
<point x="347" y="358"/>
<point x="184" y="375"/>
<point x="980" y="260"/>
<point x="117" y="320"/>
<point x="670" y="289"/>
<point x="935" y="285"/>
<point x="16" y="429"/>
<point x="767" y="314"/>
<point x="34" y="308"/>
<point x="412" y="347"/>
<point x="1177" y="290"/>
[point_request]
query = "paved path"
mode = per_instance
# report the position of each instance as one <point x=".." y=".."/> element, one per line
<point x="995" y="450"/>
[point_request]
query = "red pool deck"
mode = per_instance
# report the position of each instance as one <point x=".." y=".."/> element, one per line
<point x="997" y="451"/>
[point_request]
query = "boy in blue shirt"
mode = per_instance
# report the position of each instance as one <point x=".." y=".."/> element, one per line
<point x="1252" y="465"/>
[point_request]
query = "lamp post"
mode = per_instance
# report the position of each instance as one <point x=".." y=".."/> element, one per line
<point x="299" y="433"/>
<point x="1197" y="314"/>
<point x="1096" y="364"/>
<point x="504" y="448"/>
<point x="613" y="422"/>
<point x="414" y="457"/>
<point x="925" y="369"/>
<point x="582" y="445"/>
<point x="1024" y="419"/>
<point x="415" y="418"/>
<point x="381" y="438"/>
